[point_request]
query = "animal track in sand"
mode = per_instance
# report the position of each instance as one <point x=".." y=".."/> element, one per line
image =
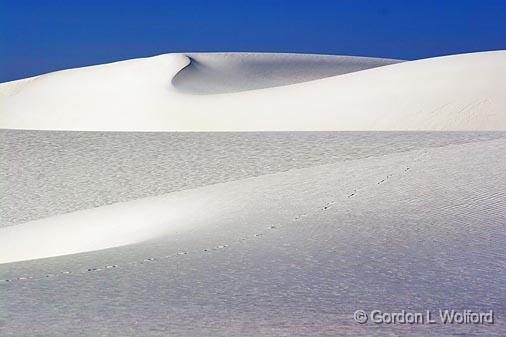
<point x="268" y="229"/>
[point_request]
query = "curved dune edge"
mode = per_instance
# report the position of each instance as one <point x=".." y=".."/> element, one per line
<point x="221" y="73"/>
<point x="264" y="200"/>
<point x="100" y="228"/>
<point x="460" y="92"/>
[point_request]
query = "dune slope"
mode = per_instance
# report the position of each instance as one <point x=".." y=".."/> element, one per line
<point x="156" y="217"/>
<point x="214" y="73"/>
<point x="403" y="230"/>
<point x="122" y="166"/>
<point x="264" y="92"/>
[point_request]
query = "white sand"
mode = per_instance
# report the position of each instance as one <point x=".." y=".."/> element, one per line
<point x="422" y="228"/>
<point x="203" y="208"/>
<point x="288" y="254"/>
<point x="213" y="73"/>
<point x="99" y="228"/>
<point x="244" y="92"/>
<point x="428" y="237"/>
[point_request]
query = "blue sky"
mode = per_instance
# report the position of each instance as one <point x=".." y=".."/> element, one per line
<point x="42" y="36"/>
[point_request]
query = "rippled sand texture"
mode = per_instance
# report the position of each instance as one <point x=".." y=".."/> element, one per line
<point x="367" y="221"/>
<point x="47" y="173"/>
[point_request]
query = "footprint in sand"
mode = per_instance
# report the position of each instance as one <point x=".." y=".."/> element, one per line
<point x="328" y="204"/>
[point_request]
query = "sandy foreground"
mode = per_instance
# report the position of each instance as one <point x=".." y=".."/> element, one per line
<point x="294" y="252"/>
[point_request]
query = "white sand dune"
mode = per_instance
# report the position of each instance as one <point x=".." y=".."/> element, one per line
<point x="245" y="92"/>
<point x="100" y="228"/>
<point x="294" y="253"/>
<point x="214" y="73"/>
<point x="196" y="209"/>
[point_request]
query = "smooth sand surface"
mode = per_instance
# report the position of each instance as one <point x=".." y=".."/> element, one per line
<point x="256" y="92"/>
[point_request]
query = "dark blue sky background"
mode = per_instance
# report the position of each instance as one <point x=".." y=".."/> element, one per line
<point x="42" y="36"/>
